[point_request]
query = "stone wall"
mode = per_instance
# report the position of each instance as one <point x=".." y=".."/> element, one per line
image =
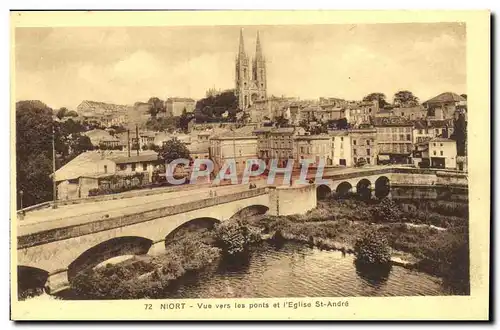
<point x="292" y="200"/>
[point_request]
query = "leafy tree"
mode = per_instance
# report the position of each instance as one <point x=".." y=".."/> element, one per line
<point x="72" y="113"/>
<point x="173" y="149"/>
<point x="387" y="211"/>
<point x="372" y="248"/>
<point x="405" y="98"/>
<point x="81" y="143"/>
<point x="62" y="112"/>
<point x="184" y="120"/>
<point x="157" y="106"/>
<point x="380" y="97"/>
<point x="460" y="134"/>
<point x="33" y="152"/>
<point x="281" y="121"/>
<point x="464" y="96"/>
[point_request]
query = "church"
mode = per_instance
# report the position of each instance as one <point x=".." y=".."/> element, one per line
<point x="251" y="81"/>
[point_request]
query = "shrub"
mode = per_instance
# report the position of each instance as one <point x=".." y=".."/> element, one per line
<point x="372" y="248"/>
<point x="234" y="237"/>
<point x="386" y="211"/>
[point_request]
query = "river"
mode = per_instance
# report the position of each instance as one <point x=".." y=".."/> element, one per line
<point x="296" y="270"/>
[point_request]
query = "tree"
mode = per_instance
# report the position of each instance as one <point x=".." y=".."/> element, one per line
<point x="460" y="134"/>
<point x="62" y="112"/>
<point x="81" y="143"/>
<point x="72" y="113"/>
<point x="372" y="248"/>
<point x="33" y="152"/>
<point x="157" y="106"/>
<point x="281" y="121"/>
<point x="380" y="97"/>
<point x="173" y="149"/>
<point x="405" y="99"/>
<point x="464" y="96"/>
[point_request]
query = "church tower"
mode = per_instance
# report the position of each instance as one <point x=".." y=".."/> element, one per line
<point x="251" y="82"/>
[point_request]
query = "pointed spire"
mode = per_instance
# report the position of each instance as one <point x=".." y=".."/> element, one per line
<point x="241" y="52"/>
<point x="258" y="49"/>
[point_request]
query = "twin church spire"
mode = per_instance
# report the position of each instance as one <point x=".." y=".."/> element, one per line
<point x="251" y="82"/>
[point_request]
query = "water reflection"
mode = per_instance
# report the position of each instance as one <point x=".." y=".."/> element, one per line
<point x="375" y="275"/>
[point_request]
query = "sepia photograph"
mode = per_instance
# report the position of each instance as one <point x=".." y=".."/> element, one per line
<point x="169" y="164"/>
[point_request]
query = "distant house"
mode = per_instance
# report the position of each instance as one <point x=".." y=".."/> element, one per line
<point x="176" y="105"/>
<point x="444" y="106"/>
<point x="101" y="138"/>
<point x="94" y="169"/>
<point x="394" y="140"/>
<point x="436" y="153"/>
<point x="106" y="114"/>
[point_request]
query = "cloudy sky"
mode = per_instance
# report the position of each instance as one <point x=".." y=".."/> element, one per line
<point x="63" y="66"/>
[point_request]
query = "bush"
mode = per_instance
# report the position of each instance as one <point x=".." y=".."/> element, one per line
<point x="372" y="248"/>
<point x="386" y="211"/>
<point x="235" y="237"/>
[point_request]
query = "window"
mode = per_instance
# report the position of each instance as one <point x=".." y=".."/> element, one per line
<point x="341" y="138"/>
<point x="105" y="168"/>
<point x="408" y="137"/>
<point x="301" y="150"/>
<point x="354" y="151"/>
<point x="145" y="166"/>
<point x="434" y="152"/>
<point x="367" y="142"/>
<point x="368" y="152"/>
<point x="434" y="144"/>
<point x="420" y="131"/>
<point x="368" y="160"/>
<point x="441" y="144"/>
<point x="441" y="152"/>
<point x="437" y="131"/>
<point x="123" y="167"/>
<point x="401" y="137"/>
<point x="133" y="167"/>
<point x="354" y="142"/>
<point x="355" y="160"/>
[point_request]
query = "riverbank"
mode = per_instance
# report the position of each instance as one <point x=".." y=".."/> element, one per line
<point x="410" y="229"/>
<point x="428" y="236"/>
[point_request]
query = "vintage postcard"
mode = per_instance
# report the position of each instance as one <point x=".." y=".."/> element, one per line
<point x="244" y="165"/>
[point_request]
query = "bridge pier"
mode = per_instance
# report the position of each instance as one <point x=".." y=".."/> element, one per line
<point x="57" y="282"/>
<point x="157" y="248"/>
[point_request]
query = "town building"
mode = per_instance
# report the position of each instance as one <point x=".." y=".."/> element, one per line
<point x="238" y="144"/>
<point x="175" y="106"/>
<point x="277" y="143"/>
<point x="364" y="145"/>
<point x="410" y="113"/>
<point x="394" y="140"/>
<point x="104" y="169"/>
<point x="341" y="148"/>
<point x="359" y="113"/>
<point x="443" y="153"/>
<point x="106" y="114"/>
<point x="425" y="130"/>
<point x="102" y="139"/>
<point x="250" y="79"/>
<point x="437" y="152"/>
<point x="316" y="148"/>
<point x="444" y="106"/>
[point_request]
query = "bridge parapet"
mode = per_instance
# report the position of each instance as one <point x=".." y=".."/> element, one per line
<point x="292" y="200"/>
<point x="61" y="233"/>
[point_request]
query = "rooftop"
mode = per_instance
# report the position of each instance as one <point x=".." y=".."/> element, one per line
<point x="445" y="98"/>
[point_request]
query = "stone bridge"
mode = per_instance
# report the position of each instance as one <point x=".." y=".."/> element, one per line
<point x="53" y="257"/>
<point x="57" y="255"/>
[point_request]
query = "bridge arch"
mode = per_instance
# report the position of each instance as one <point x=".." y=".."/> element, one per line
<point x="343" y="189"/>
<point x="114" y="247"/>
<point x="323" y="191"/>
<point x="250" y="211"/>
<point x="203" y="223"/>
<point x="363" y="188"/>
<point x="382" y="187"/>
